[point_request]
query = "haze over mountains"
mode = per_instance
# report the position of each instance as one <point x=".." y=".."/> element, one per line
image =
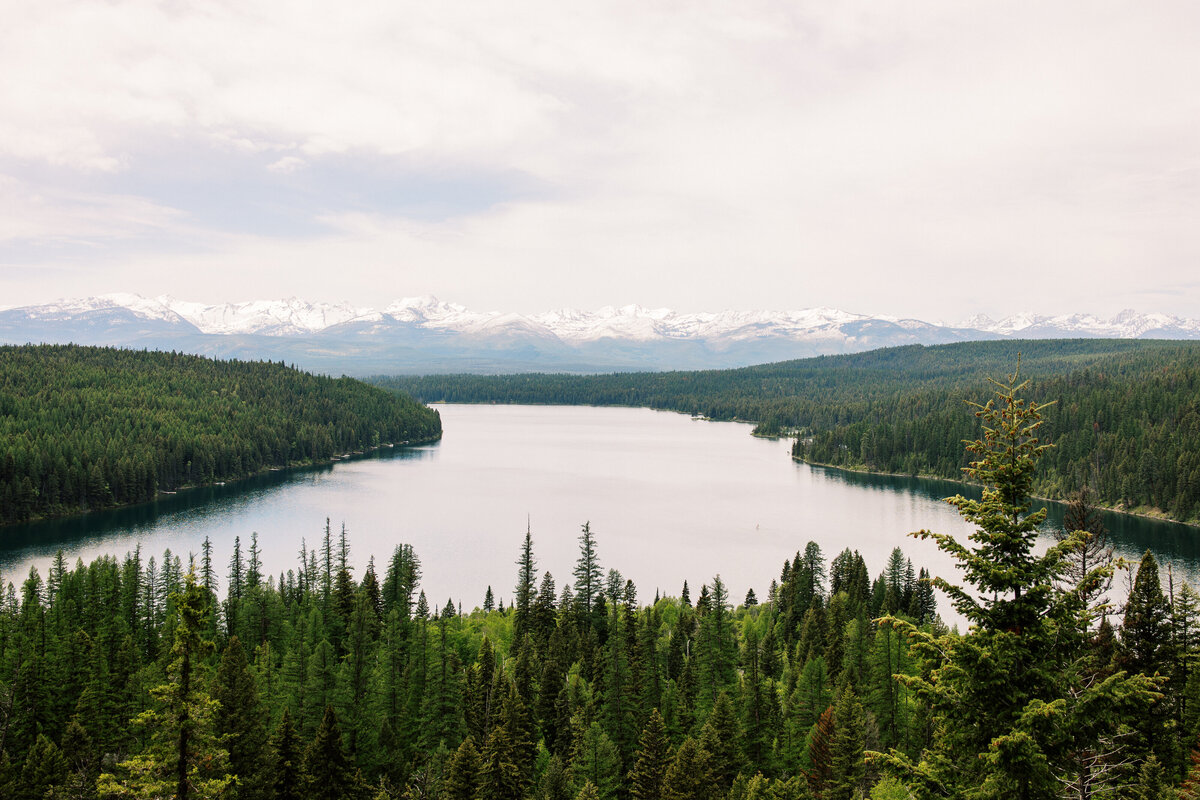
<point x="425" y="335"/>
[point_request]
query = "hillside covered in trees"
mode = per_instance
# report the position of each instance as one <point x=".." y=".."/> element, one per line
<point x="1125" y="419"/>
<point x="86" y="428"/>
<point x="128" y="678"/>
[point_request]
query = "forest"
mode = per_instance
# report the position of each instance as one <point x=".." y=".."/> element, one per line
<point x="1125" y="416"/>
<point x="86" y="428"/>
<point x="130" y="678"/>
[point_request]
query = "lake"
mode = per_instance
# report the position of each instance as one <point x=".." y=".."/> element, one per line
<point x="668" y="498"/>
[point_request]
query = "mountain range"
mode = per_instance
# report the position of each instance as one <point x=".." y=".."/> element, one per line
<point x="426" y="335"/>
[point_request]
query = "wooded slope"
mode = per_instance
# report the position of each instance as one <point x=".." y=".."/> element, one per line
<point x="86" y="427"/>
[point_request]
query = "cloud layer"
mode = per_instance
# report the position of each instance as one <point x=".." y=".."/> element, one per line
<point x="937" y="159"/>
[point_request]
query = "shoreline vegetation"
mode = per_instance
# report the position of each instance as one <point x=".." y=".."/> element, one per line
<point x="1157" y="515"/>
<point x="298" y="465"/>
<point x="93" y="428"/>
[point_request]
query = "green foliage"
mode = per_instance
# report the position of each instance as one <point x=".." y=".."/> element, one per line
<point x="1013" y="700"/>
<point x="85" y="427"/>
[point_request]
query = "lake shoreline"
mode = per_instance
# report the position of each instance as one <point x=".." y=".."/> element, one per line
<point x="1156" y="515"/>
<point x="159" y="494"/>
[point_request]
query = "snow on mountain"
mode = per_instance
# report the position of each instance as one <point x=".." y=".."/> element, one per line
<point x="1128" y="324"/>
<point x="290" y="317"/>
<point x="425" y="334"/>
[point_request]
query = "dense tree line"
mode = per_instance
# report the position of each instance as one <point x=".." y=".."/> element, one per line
<point x="1126" y="414"/>
<point x="127" y="678"/>
<point x="86" y="428"/>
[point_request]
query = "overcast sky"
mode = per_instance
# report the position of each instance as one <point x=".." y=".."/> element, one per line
<point x="928" y="159"/>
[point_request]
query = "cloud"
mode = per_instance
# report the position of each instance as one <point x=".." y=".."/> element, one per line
<point x="287" y="165"/>
<point x="900" y="158"/>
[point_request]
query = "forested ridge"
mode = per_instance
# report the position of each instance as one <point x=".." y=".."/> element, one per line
<point x="128" y="678"/>
<point x="1125" y="419"/>
<point x="86" y="427"/>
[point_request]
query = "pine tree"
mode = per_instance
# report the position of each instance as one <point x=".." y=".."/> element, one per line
<point x="462" y="773"/>
<point x="239" y="719"/>
<point x="329" y="772"/>
<point x="500" y="776"/>
<point x="650" y="770"/>
<point x="846" y="751"/>
<point x="999" y="685"/>
<point x="288" y="779"/>
<point x="587" y="569"/>
<point x="688" y="777"/>
<point x="525" y="589"/>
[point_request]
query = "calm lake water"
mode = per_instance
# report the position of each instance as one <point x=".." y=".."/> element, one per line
<point x="669" y="498"/>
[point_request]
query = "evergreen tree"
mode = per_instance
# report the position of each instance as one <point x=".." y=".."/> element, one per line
<point x="462" y="773"/>
<point x="846" y="750"/>
<point x="525" y="589"/>
<point x="554" y="784"/>
<point x="650" y="770"/>
<point x="239" y="719"/>
<point x="500" y="775"/>
<point x="1000" y="685"/>
<point x="587" y="569"/>
<point x="595" y="760"/>
<point x="326" y="764"/>
<point x="184" y="759"/>
<point x="44" y="771"/>
<point x="688" y="777"/>
<point x="288" y="779"/>
<point x="721" y="738"/>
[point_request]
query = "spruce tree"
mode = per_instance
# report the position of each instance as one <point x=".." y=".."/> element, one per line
<point x="650" y="769"/>
<point x="329" y="772"/>
<point x="846" y="751"/>
<point x="688" y="777"/>
<point x="524" y="592"/>
<point x="239" y="719"/>
<point x="500" y="775"/>
<point x="587" y="569"/>
<point x="462" y="773"/>
<point x="1000" y="687"/>
<point x="288" y="779"/>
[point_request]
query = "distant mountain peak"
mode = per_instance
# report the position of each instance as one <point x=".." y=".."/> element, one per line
<point x="425" y="333"/>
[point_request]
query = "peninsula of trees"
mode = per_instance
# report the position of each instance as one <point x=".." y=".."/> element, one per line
<point x="130" y="678"/>
<point x="1125" y="414"/>
<point x="86" y="428"/>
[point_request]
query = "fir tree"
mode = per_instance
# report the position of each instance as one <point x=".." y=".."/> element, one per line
<point x="329" y="772"/>
<point x="288" y="779"/>
<point x="688" y="777"/>
<point x="500" y="775"/>
<point x="587" y="569"/>
<point x="650" y="769"/>
<point x="999" y="686"/>
<point x="846" y="751"/>
<point x="462" y="773"/>
<point x="239" y="719"/>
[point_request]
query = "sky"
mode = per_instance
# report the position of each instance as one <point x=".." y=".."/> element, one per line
<point x="925" y="159"/>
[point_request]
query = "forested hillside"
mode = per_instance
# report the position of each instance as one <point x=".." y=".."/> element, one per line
<point x="86" y="428"/>
<point x="1126" y="418"/>
<point x="127" y="678"/>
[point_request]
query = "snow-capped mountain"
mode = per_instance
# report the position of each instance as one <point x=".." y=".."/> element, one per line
<point x="424" y="334"/>
<point x="1127" y="325"/>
